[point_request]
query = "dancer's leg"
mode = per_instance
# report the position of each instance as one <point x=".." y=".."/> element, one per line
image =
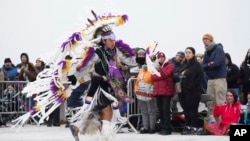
<point x="107" y="133"/>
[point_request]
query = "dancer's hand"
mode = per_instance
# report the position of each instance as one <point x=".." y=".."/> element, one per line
<point x="104" y="78"/>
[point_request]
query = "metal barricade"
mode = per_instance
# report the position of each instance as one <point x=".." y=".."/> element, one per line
<point x="132" y="108"/>
<point x="12" y="102"/>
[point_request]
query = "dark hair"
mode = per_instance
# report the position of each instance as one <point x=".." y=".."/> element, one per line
<point x="234" y="95"/>
<point x="246" y="59"/>
<point x="192" y="49"/>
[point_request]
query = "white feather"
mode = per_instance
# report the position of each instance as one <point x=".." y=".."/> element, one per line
<point x="151" y="66"/>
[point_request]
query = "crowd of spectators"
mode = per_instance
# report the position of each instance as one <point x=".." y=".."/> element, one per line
<point x="212" y="72"/>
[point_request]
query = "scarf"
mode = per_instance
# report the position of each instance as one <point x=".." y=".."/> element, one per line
<point x="210" y="46"/>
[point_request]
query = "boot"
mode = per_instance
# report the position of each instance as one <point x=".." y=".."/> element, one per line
<point x="107" y="132"/>
<point x="186" y="130"/>
<point x="193" y="131"/>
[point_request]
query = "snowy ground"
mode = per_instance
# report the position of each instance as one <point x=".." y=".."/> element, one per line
<point x="44" y="133"/>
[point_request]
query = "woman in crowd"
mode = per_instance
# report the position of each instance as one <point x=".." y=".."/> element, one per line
<point x="164" y="91"/>
<point x="233" y="74"/>
<point x="190" y="96"/>
<point x="228" y="111"/>
<point x="245" y="76"/>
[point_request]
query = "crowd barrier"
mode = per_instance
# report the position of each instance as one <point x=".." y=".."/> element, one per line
<point x="132" y="108"/>
<point x="12" y="102"/>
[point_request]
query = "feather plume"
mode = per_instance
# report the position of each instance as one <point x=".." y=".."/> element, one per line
<point x="124" y="48"/>
<point x="87" y="56"/>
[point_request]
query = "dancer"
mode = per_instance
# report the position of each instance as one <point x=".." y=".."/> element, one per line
<point x="105" y="84"/>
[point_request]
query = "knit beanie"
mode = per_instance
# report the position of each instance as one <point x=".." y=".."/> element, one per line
<point x="181" y="54"/>
<point x="7" y="60"/>
<point x="208" y="36"/>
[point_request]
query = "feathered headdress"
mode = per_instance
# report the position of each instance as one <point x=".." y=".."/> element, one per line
<point x="92" y="34"/>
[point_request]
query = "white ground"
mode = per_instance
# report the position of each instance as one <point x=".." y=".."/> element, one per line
<point x="44" y="133"/>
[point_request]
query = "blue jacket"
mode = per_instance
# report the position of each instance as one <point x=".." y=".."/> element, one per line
<point x="218" y="68"/>
<point x="11" y="73"/>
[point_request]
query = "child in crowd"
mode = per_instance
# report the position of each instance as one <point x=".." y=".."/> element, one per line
<point x="245" y="112"/>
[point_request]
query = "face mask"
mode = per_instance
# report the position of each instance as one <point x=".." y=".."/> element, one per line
<point x="141" y="60"/>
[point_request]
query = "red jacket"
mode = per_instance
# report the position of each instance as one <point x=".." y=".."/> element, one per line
<point x="228" y="114"/>
<point x="164" y="84"/>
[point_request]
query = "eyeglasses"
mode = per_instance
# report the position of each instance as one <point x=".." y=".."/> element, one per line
<point x="229" y="95"/>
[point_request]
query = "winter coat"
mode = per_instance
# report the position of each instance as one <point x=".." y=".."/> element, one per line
<point x="164" y="85"/>
<point x="191" y="82"/>
<point x="228" y="114"/>
<point x="245" y="76"/>
<point x="11" y="73"/>
<point x="177" y="67"/>
<point x="218" y="68"/>
<point x="233" y="73"/>
<point x="29" y="74"/>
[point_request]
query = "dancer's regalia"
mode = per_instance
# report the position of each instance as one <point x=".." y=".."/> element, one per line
<point x="55" y="84"/>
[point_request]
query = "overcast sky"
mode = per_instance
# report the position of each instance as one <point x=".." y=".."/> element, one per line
<point x="38" y="27"/>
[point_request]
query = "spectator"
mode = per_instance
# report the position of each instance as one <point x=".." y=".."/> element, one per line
<point x="11" y="101"/>
<point x="133" y="72"/>
<point x="164" y="90"/>
<point x="199" y="58"/>
<point x="215" y="68"/>
<point x="27" y="69"/>
<point x="190" y="96"/>
<point x="27" y="72"/>
<point x="40" y="65"/>
<point x="140" y="60"/>
<point x="245" y="112"/>
<point x="245" y="76"/>
<point x="146" y="102"/>
<point x="10" y="70"/>
<point x="177" y="61"/>
<point x="228" y="111"/>
<point x="233" y="74"/>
